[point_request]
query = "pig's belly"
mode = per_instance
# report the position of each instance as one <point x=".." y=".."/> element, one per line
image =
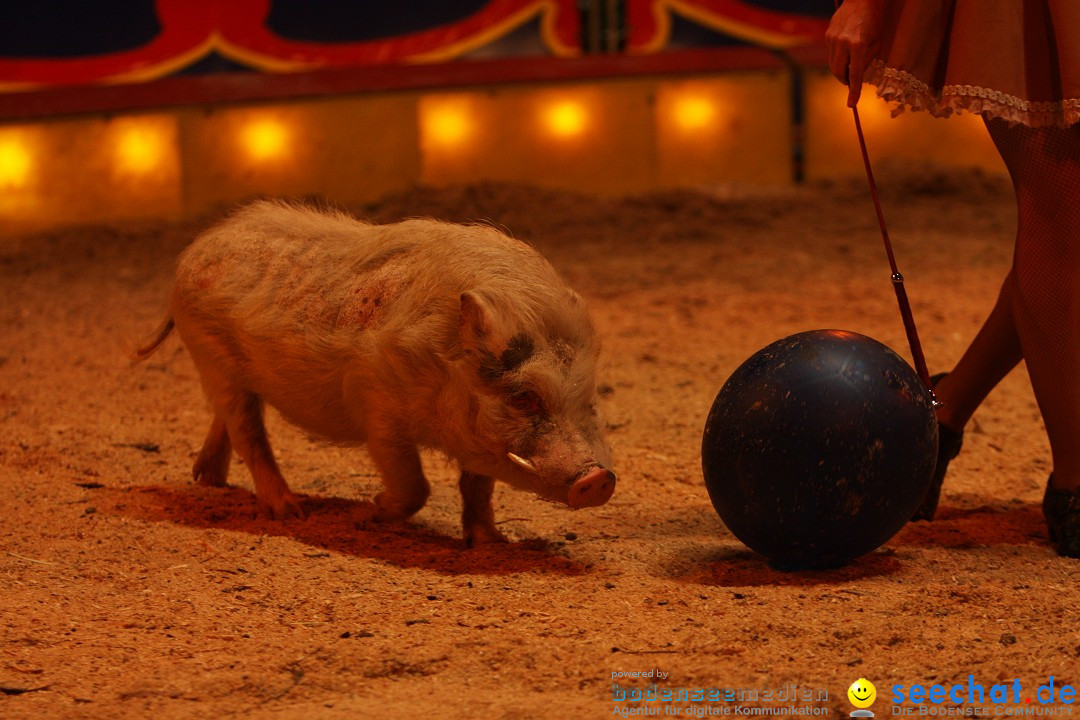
<point x="320" y="415"/>
<point x="307" y="393"/>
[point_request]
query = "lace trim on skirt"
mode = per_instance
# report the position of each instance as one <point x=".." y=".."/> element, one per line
<point x="911" y="92"/>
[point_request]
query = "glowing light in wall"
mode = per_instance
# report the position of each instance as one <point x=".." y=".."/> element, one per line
<point x="266" y="139"/>
<point x="694" y="112"/>
<point x="566" y="119"/>
<point x="448" y="122"/>
<point x="873" y="113"/>
<point x="448" y="126"/>
<point x="15" y="163"/>
<point x="140" y="149"/>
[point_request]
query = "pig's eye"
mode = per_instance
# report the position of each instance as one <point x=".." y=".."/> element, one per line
<point x="527" y="402"/>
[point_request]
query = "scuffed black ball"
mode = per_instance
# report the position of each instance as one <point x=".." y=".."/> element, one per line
<point x="819" y="448"/>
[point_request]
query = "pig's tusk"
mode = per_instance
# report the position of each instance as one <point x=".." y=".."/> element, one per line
<point x="518" y="460"/>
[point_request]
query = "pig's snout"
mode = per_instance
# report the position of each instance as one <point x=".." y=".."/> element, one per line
<point x="591" y="489"/>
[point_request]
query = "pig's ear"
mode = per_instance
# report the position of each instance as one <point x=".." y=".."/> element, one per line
<point x="474" y="325"/>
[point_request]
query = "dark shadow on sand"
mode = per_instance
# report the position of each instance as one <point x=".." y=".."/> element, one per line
<point x="975" y="523"/>
<point x="738" y="566"/>
<point x="337" y="525"/>
<point x="972" y="523"/>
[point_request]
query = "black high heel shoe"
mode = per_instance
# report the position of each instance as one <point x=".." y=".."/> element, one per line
<point x="1061" y="508"/>
<point x="949" y="443"/>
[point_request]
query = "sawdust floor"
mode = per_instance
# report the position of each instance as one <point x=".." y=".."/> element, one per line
<point x="128" y="592"/>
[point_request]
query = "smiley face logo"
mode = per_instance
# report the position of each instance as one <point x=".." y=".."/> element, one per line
<point x="862" y="693"/>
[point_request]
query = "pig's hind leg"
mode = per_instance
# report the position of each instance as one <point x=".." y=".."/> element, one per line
<point x="212" y="465"/>
<point x="244" y="422"/>
<point x="238" y="418"/>
<point x="477" y="515"/>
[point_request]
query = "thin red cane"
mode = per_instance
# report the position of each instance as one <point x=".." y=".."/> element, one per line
<point x="897" y="279"/>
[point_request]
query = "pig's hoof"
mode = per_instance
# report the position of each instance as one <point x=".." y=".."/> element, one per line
<point x="483" y="535"/>
<point x="391" y="510"/>
<point x="211" y="474"/>
<point x="283" y="508"/>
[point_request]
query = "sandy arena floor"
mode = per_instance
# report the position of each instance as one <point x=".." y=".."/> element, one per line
<point x="129" y="592"/>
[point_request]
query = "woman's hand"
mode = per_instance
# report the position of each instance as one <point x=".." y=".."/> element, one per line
<point x="853" y="39"/>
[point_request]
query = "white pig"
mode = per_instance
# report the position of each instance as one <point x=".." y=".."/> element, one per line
<point x="419" y="334"/>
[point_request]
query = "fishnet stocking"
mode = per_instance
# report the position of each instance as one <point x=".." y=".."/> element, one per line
<point x="992" y="354"/>
<point x="1044" y="283"/>
<point x="1037" y="315"/>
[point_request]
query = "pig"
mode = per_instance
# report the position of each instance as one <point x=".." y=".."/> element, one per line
<point x="417" y="334"/>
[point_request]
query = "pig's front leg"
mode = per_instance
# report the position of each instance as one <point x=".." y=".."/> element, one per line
<point x="477" y="515"/>
<point x="406" y="487"/>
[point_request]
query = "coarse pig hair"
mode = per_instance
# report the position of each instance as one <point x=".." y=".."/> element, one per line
<point x="308" y="301"/>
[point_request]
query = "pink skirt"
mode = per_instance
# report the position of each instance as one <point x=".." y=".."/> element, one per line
<point x="1018" y="60"/>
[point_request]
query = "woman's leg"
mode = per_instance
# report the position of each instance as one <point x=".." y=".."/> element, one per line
<point x="1045" y="167"/>
<point x="992" y="354"/>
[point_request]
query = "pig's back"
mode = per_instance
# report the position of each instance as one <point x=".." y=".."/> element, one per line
<point x="275" y="269"/>
<point x="274" y="257"/>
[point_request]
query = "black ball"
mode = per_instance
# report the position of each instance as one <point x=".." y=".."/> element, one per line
<point x="819" y="448"/>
